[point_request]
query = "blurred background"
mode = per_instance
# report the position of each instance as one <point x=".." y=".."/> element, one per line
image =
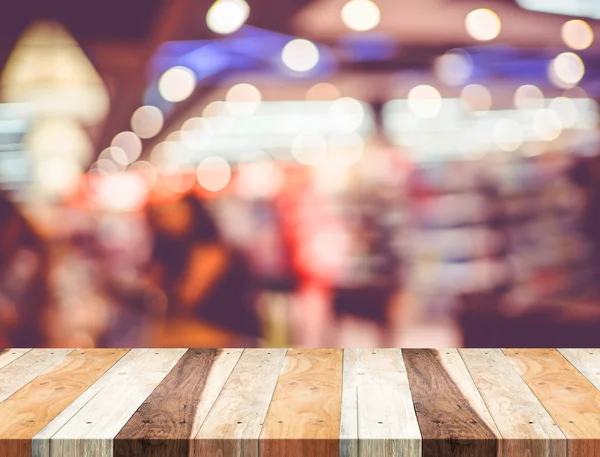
<point x="300" y="173"/>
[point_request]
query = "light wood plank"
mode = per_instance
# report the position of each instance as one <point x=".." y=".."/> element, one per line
<point x="572" y="400"/>
<point x="90" y="432"/>
<point x="9" y="355"/>
<point x="27" y="411"/>
<point x="349" y="414"/>
<point x="453" y="418"/>
<point x="587" y="361"/>
<point x="387" y="423"/>
<point x="526" y="427"/>
<point x="233" y="425"/>
<point x="304" y="416"/>
<point x="170" y="417"/>
<point x="26" y="368"/>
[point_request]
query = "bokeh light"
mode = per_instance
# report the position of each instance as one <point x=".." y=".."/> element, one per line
<point x="346" y="149"/>
<point x="130" y="143"/>
<point x="577" y="34"/>
<point x="425" y="101"/>
<point x="454" y="67"/>
<point x="213" y="173"/>
<point x="146" y="171"/>
<point x="346" y="114"/>
<point x="323" y="91"/>
<point x="547" y="124"/>
<point x="147" y="121"/>
<point x="261" y="179"/>
<point x="508" y="134"/>
<point x="300" y="55"/>
<point x="529" y="97"/>
<point x="227" y="16"/>
<point x="196" y="133"/>
<point x="309" y="148"/>
<point x="361" y="15"/>
<point x="483" y="24"/>
<point x="115" y="154"/>
<point x="566" y="110"/>
<point x="122" y="192"/>
<point x="176" y="84"/>
<point x="243" y="99"/>
<point x="476" y="98"/>
<point x="566" y="70"/>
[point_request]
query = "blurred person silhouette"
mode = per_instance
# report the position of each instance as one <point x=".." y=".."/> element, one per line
<point x="24" y="284"/>
<point x="203" y="279"/>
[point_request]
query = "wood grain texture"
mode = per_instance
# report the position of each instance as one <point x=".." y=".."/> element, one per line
<point x="91" y="430"/>
<point x="9" y="355"/>
<point x="27" y="411"/>
<point x="233" y="426"/>
<point x="526" y="427"/>
<point x="568" y="396"/>
<point x="587" y="361"/>
<point x="380" y="400"/>
<point x="26" y="368"/>
<point x="452" y="416"/>
<point x="304" y="416"/>
<point x="165" y="423"/>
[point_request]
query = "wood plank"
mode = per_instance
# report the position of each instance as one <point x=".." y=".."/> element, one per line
<point x="569" y="397"/>
<point x="91" y="431"/>
<point x="453" y="418"/>
<point x="171" y="416"/>
<point x="587" y="361"/>
<point x="386" y="421"/>
<point x="9" y="355"/>
<point x="526" y="427"/>
<point x="27" y="411"/>
<point x="26" y="368"/>
<point x="304" y="416"/>
<point x="233" y="425"/>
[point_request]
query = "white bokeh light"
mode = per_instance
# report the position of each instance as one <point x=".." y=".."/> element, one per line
<point x="323" y="91"/>
<point x="213" y="173"/>
<point x="508" y="134"/>
<point x="361" y="15"/>
<point x="346" y="115"/>
<point x="243" y="99"/>
<point x="566" y="110"/>
<point x="176" y="84"/>
<point x="547" y="125"/>
<point x="476" y="98"/>
<point x="577" y="34"/>
<point x="346" y="149"/>
<point x="309" y="148"/>
<point x="196" y="133"/>
<point x="566" y="70"/>
<point x="454" y="67"/>
<point x="130" y="143"/>
<point x="425" y="101"/>
<point x="483" y="24"/>
<point x="147" y="121"/>
<point x="227" y="16"/>
<point x="300" y="55"/>
<point x="529" y="97"/>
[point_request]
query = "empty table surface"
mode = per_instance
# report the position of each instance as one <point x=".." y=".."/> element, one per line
<point x="299" y="402"/>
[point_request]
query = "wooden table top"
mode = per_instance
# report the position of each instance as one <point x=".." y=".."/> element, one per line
<point x="300" y="402"/>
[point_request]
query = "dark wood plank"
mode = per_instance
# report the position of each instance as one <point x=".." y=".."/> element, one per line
<point x="163" y="425"/>
<point x="451" y="414"/>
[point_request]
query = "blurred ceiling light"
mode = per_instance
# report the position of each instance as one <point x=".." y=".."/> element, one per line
<point x="49" y="69"/>
<point x="476" y="98"/>
<point x="146" y="171"/>
<point x="566" y="110"/>
<point x="214" y="173"/>
<point x="508" y="134"/>
<point x="227" y="16"/>
<point x="147" y="121"/>
<point x="529" y="97"/>
<point x="243" y="99"/>
<point x="130" y="143"/>
<point x="259" y="179"/>
<point x="425" y="101"/>
<point x="116" y="154"/>
<point x="176" y="84"/>
<point x="346" y="149"/>
<point x="57" y="175"/>
<point x="454" y="67"/>
<point x="309" y="149"/>
<point x="361" y="15"/>
<point x="566" y="70"/>
<point x="547" y="124"/>
<point x="346" y="114"/>
<point x="483" y="24"/>
<point x="196" y="133"/>
<point x="300" y="55"/>
<point x="577" y="34"/>
<point x="323" y="91"/>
